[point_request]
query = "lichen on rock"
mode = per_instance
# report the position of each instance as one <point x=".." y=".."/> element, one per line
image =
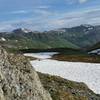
<point x="19" y="80"/>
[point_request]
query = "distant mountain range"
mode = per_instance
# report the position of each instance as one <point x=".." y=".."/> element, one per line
<point x="80" y="37"/>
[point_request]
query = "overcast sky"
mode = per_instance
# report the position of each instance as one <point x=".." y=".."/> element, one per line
<point x="47" y="14"/>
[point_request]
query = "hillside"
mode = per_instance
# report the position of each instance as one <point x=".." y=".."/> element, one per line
<point x="80" y="37"/>
<point x="62" y="89"/>
<point x="31" y="40"/>
<point x="96" y="46"/>
<point x="83" y="36"/>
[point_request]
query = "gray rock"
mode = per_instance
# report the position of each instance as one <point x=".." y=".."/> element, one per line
<point x="19" y="80"/>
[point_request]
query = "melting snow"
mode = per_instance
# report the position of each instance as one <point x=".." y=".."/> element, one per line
<point x="3" y="39"/>
<point x="88" y="73"/>
<point x="97" y="51"/>
<point x="41" y="55"/>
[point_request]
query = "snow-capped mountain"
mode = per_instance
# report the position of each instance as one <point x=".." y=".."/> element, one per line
<point x="83" y="36"/>
<point x="23" y="30"/>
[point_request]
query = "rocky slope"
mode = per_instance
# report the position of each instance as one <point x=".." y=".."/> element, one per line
<point x="62" y="89"/>
<point x="18" y="80"/>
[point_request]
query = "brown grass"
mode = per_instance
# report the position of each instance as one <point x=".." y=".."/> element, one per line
<point x="77" y="58"/>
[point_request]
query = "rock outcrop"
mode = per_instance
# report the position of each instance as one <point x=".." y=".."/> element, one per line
<point x="18" y="80"/>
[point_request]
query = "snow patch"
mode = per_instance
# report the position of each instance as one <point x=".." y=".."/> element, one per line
<point x="80" y="72"/>
<point x="42" y="55"/>
<point x="3" y="39"/>
<point x="97" y="51"/>
<point x="89" y="73"/>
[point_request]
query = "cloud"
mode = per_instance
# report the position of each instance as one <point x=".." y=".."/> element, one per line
<point x="6" y="27"/>
<point x="77" y="18"/>
<point x="76" y="1"/>
<point x="39" y="9"/>
<point x="42" y="12"/>
<point x="16" y="12"/>
<point x="71" y="1"/>
<point x="19" y="12"/>
<point x="82" y="1"/>
<point x="47" y="20"/>
<point x="43" y="7"/>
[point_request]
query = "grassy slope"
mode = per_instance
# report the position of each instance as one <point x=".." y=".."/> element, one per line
<point x="96" y="46"/>
<point x="14" y="44"/>
<point x="62" y="89"/>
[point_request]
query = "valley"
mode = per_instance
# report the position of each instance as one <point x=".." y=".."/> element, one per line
<point x="49" y="49"/>
<point x="83" y="37"/>
<point x="64" y="59"/>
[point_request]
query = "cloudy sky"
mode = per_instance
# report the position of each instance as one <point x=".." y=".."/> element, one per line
<point x="47" y="14"/>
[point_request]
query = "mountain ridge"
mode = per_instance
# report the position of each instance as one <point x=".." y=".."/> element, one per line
<point x="79" y="37"/>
